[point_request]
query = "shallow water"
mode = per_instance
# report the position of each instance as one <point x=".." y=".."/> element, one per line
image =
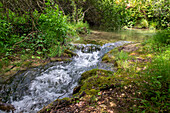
<point x="35" y="88"/>
<point x="101" y="37"/>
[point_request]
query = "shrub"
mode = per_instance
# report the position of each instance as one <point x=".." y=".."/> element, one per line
<point x="53" y="28"/>
<point x="162" y="37"/>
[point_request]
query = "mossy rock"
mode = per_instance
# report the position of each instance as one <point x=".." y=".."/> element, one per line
<point x="95" y="72"/>
<point x="92" y="92"/>
<point x="111" y="57"/>
<point x="93" y="81"/>
<point x="94" y="84"/>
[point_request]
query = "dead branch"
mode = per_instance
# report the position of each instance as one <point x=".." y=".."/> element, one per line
<point x="84" y="14"/>
<point x="24" y="38"/>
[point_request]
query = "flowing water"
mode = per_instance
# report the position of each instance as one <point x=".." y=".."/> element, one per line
<point x="35" y="88"/>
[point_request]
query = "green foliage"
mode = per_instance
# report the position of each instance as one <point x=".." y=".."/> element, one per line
<point x="122" y="55"/>
<point x="4" y="31"/>
<point x="151" y="10"/>
<point x="112" y="14"/>
<point x="159" y="42"/>
<point x="54" y="28"/>
<point x="53" y="25"/>
<point x="7" y="39"/>
<point x="143" y="24"/>
<point x="39" y="34"/>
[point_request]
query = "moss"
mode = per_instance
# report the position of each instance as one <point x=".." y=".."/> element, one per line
<point x="56" y="59"/>
<point x="109" y="58"/>
<point x="94" y="80"/>
<point x="94" y="84"/>
<point x="92" y="92"/>
<point x="96" y="42"/>
<point x="95" y="72"/>
<point x="112" y="57"/>
<point x="66" y="98"/>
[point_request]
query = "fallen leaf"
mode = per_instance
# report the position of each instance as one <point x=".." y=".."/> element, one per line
<point x="112" y="104"/>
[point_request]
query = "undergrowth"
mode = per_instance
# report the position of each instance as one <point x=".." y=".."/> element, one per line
<point x="46" y="36"/>
<point x="156" y="89"/>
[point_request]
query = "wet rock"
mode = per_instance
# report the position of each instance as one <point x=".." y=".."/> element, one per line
<point x="76" y="89"/>
<point x="89" y="48"/>
<point x="6" y="107"/>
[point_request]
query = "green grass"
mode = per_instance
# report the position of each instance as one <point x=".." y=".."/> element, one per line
<point x="156" y="89"/>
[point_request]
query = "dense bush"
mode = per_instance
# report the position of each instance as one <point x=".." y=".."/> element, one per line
<point x="156" y="12"/>
<point x="113" y="14"/>
<point x="53" y="26"/>
<point x="51" y="29"/>
<point x="7" y="37"/>
<point x="41" y="33"/>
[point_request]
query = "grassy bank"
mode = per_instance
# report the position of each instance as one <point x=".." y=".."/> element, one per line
<point x="147" y="65"/>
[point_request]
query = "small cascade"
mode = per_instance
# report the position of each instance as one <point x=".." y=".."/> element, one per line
<point x="35" y="88"/>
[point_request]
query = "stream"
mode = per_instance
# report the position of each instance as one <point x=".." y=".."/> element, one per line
<point x="35" y="88"/>
<point x="31" y="90"/>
